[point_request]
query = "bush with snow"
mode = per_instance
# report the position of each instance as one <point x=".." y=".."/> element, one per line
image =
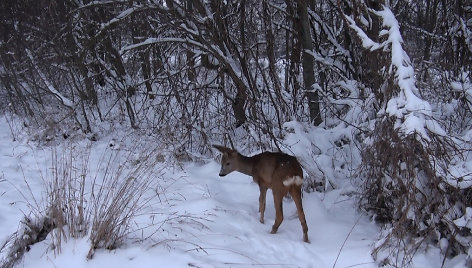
<point x="408" y="164"/>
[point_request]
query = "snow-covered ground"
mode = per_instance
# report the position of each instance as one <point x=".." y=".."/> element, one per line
<point x="197" y="220"/>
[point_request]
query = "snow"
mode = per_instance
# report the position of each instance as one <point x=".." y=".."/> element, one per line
<point x="408" y="105"/>
<point x="201" y="220"/>
<point x="198" y="219"/>
<point x="460" y="175"/>
<point x="466" y="220"/>
<point x="464" y="86"/>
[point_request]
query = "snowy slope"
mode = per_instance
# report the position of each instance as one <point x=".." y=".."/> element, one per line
<point x="197" y="220"/>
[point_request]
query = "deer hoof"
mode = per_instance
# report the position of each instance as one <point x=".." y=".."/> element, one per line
<point x="274" y="230"/>
<point x="305" y="239"/>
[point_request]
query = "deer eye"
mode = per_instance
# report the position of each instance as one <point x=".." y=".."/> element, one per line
<point x="227" y="164"/>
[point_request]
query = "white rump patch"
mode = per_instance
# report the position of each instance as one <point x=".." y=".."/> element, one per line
<point x="297" y="180"/>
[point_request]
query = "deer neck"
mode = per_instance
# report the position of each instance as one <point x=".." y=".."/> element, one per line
<point x="245" y="165"/>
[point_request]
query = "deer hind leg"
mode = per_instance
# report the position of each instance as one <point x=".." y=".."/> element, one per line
<point x="262" y="202"/>
<point x="279" y="214"/>
<point x="296" y="194"/>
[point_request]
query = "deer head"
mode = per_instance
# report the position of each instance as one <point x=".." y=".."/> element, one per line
<point x="229" y="161"/>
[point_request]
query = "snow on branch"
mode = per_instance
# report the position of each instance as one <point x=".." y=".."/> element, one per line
<point x="366" y="41"/>
<point x="149" y="41"/>
<point x="223" y="56"/>
<point x="64" y="100"/>
<point x="123" y="15"/>
<point x="413" y="113"/>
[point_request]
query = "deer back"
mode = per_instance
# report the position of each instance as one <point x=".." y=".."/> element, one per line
<point x="270" y="169"/>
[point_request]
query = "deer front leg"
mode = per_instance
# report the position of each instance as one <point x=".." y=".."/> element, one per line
<point x="262" y="202"/>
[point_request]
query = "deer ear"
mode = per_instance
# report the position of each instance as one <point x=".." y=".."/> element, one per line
<point x="222" y="148"/>
<point x="225" y="150"/>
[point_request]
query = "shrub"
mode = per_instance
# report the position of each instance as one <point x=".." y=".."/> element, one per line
<point x="406" y="186"/>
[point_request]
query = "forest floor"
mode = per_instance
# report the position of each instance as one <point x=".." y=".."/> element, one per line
<point x="197" y="220"/>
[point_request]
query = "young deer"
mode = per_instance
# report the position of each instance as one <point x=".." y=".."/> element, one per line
<point x="278" y="171"/>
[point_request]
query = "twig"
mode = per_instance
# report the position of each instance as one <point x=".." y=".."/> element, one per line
<point x="345" y="240"/>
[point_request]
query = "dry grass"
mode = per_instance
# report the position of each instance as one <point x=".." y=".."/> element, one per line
<point x="116" y="200"/>
<point x="78" y="203"/>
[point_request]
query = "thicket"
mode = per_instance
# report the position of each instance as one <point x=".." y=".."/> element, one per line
<point x="194" y="72"/>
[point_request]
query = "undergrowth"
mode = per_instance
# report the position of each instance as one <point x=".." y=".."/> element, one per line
<point x="77" y="202"/>
<point x="406" y="188"/>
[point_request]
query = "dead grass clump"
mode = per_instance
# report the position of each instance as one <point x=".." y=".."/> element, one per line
<point x="76" y="203"/>
<point x="116" y="200"/>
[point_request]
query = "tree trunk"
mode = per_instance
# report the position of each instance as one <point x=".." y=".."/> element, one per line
<point x="308" y="63"/>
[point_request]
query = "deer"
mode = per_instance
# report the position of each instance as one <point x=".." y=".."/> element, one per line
<point x="280" y="172"/>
